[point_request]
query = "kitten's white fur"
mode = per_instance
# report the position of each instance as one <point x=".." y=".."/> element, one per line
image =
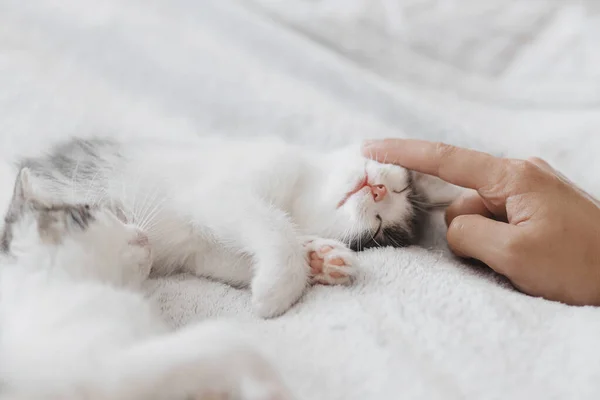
<point x="238" y="210"/>
<point x="74" y="326"/>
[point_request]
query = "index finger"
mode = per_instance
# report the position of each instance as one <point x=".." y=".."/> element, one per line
<point x="462" y="167"/>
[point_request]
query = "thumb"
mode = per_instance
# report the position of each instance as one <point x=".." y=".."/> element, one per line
<point x="485" y="239"/>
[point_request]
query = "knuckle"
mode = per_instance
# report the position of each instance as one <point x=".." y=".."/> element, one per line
<point x="536" y="160"/>
<point x="525" y="168"/>
<point x="500" y="182"/>
<point x="542" y="164"/>
<point x="517" y="166"/>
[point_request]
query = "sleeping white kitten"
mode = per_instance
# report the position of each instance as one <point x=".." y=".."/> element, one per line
<point x="262" y="212"/>
<point x="73" y="326"/>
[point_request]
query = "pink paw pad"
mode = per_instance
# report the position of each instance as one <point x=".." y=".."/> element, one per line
<point x="330" y="262"/>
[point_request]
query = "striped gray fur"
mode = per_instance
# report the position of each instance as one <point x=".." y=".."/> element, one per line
<point x="76" y="170"/>
<point x="70" y="171"/>
<point x="53" y="220"/>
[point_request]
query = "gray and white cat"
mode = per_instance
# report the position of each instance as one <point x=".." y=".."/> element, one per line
<point x="73" y="324"/>
<point x="258" y="212"/>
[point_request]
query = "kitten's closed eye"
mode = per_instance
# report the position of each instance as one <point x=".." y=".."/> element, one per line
<point x="81" y="216"/>
<point x="402" y="190"/>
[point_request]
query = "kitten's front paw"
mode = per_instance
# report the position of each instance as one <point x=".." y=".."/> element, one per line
<point x="331" y="262"/>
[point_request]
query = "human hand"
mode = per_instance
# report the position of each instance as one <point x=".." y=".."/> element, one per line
<point x="525" y="220"/>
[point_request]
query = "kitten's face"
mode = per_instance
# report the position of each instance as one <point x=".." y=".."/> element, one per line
<point x="373" y="204"/>
<point x="73" y="234"/>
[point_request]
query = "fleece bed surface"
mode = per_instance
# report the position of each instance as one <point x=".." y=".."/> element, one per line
<point x="417" y="323"/>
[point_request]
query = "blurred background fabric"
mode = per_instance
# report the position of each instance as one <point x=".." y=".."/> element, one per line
<point x="512" y="73"/>
<point x="529" y="54"/>
<point x="513" y="77"/>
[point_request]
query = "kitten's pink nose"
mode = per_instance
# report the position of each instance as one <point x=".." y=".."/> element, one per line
<point x="379" y="192"/>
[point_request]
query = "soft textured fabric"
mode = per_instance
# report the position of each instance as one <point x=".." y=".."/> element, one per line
<point x="417" y="323"/>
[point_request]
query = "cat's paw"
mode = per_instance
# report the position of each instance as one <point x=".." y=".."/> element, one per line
<point x="331" y="262"/>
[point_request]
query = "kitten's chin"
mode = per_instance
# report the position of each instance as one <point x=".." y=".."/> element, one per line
<point x="349" y="227"/>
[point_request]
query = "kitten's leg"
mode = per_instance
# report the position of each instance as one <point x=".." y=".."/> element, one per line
<point x="331" y="262"/>
<point x="195" y="363"/>
<point x="280" y="271"/>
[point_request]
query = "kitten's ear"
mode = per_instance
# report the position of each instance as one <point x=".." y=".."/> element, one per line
<point x="20" y="194"/>
<point x="24" y="190"/>
<point x="436" y="190"/>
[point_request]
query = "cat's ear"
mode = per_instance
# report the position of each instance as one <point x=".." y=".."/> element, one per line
<point x="20" y="194"/>
<point x="24" y="191"/>
<point x="438" y="192"/>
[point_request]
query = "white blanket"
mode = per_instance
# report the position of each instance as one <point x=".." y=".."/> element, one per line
<point x="417" y="324"/>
